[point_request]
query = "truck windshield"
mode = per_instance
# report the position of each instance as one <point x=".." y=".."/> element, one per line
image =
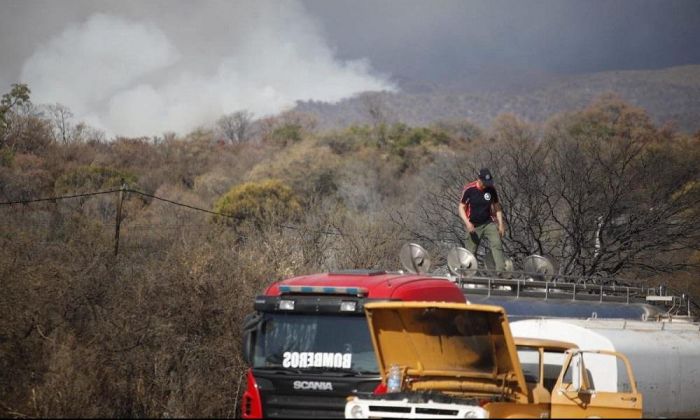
<point x="313" y="342"/>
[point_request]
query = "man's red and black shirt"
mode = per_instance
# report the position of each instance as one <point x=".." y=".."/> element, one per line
<point x="478" y="203"/>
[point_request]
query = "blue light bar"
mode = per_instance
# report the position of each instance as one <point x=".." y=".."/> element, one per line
<point x="324" y="290"/>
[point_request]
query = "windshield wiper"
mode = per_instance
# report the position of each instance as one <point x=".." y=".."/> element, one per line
<point x="281" y="370"/>
<point x="315" y="371"/>
<point x="338" y="371"/>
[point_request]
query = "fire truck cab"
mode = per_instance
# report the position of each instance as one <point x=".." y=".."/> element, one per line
<point x="308" y="344"/>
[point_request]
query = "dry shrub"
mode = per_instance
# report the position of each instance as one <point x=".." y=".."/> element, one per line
<point x="67" y="389"/>
<point x="309" y="168"/>
<point x="215" y="183"/>
<point x="133" y="336"/>
<point x="367" y="242"/>
<point x="155" y="331"/>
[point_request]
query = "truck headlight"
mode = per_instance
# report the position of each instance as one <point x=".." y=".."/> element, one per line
<point x="348" y="306"/>
<point x="286" y="305"/>
<point x="356" y="412"/>
<point x="476" y="413"/>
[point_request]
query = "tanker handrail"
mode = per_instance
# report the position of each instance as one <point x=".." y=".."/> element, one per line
<point x="521" y="283"/>
<point x="551" y="288"/>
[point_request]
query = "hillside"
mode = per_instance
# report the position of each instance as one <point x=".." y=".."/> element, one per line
<point x="124" y="296"/>
<point x="668" y="95"/>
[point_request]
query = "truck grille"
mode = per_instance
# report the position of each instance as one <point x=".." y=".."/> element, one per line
<point x="301" y="406"/>
<point x="385" y="407"/>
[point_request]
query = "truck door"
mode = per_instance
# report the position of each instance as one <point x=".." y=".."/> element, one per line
<point x="596" y="384"/>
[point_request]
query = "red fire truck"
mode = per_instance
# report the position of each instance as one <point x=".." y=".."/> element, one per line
<point x="309" y="346"/>
<point x="308" y="342"/>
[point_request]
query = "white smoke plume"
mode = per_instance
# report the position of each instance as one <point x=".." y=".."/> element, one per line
<point x="135" y="76"/>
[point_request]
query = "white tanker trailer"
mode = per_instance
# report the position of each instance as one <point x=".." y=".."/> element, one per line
<point x="665" y="356"/>
<point x="650" y="326"/>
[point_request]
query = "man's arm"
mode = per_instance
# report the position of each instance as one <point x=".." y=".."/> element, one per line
<point x="465" y="219"/>
<point x="499" y="218"/>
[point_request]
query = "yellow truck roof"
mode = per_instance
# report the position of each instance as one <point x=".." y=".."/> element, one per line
<point x="554" y="345"/>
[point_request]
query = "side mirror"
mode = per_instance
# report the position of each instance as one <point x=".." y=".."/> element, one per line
<point x="250" y="326"/>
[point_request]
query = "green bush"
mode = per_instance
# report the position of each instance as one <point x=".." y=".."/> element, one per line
<point x="258" y="203"/>
<point x="287" y="134"/>
<point x="402" y="137"/>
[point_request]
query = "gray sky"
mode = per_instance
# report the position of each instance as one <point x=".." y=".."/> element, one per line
<point x="443" y="39"/>
<point x="140" y="66"/>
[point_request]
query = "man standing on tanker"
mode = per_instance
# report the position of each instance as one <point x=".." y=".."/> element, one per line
<point x="479" y="209"/>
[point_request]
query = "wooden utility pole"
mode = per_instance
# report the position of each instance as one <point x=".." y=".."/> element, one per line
<point x="119" y="217"/>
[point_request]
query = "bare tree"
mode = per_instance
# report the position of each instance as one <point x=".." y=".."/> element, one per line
<point x="620" y="196"/>
<point x="236" y="126"/>
<point x="602" y="192"/>
<point x="379" y="114"/>
<point x="61" y="127"/>
<point x="83" y="133"/>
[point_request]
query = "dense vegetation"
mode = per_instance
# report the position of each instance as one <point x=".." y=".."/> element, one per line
<point x="153" y="330"/>
<point x="668" y="95"/>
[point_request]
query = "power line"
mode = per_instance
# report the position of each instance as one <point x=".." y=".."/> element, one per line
<point x="57" y="198"/>
<point x="180" y="204"/>
<point x="283" y="226"/>
<point x="223" y="214"/>
<point x="129" y="190"/>
<point x="63" y="197"/>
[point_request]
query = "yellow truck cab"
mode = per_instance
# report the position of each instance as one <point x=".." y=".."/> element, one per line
<point x="447" y="360"/>
<point x="541" y="361"/>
